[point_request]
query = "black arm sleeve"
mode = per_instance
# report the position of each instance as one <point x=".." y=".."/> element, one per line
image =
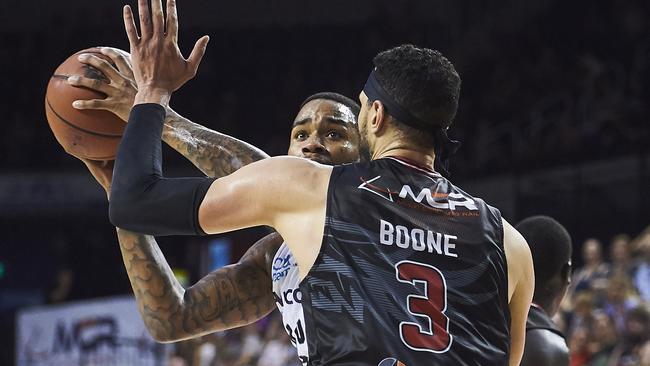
<point x="141" y="199"/>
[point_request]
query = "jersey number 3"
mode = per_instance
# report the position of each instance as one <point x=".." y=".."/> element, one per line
<point x="434" y="338"/>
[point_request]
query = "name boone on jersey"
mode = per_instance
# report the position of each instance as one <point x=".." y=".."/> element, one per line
<point x="417" y="239"/>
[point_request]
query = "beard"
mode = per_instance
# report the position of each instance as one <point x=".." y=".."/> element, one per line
<point x="365" y="153"/>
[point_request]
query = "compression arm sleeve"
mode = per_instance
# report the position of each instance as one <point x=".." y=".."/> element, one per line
<point x="141" y="199"/>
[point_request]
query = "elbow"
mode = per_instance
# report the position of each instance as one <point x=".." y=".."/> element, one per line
<point x="161" y="336"/>
<point x="118" y="212"/>
<point x="125" y="208"/>
<point x="162" y="329"/>
<point x="122" y="213"/>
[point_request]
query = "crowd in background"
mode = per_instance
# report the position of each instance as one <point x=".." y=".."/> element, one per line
<point x="557" y="87"/>
<point x="606" y="314"/>
<point x="265" y="343"/>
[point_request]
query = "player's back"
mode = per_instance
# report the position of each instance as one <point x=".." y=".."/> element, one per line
<point x="411" y="269"/>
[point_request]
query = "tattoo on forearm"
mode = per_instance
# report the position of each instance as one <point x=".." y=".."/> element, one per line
<point x="214" y="153"/>
<point x="231" y="296"/>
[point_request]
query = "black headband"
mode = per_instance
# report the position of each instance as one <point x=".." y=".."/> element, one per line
<point x="443" y="145"/>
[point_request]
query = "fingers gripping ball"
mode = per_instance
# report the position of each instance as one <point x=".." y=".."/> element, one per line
<point x="89" y="134"/>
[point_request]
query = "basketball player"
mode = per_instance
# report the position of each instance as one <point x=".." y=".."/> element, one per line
<point x="550" y="245"/>
<point x="324" y="130"/>
<point x="395" y="262"/>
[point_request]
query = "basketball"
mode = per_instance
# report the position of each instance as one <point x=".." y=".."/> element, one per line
<point x="90" y="134"/>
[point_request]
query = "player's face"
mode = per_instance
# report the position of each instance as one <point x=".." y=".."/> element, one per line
<point x="325" y="131"/>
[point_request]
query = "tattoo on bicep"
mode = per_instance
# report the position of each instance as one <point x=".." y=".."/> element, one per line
<point x="231" y="296"/>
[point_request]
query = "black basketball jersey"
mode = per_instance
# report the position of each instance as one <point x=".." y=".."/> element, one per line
<point x="412" y="271"/>
<point x="545" y="343"/>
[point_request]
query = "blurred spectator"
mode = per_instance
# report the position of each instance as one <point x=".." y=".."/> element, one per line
<point x="277" y="351"/>
<point x="207" y="353"/>
<point x="619" y="254"/>
<point x="635" y="339"/>
<point x="603" y="339"/>
<point x="620" y="299"/>
<point x="251" y="346"/>
<point x="593" y="275"/>
<point x="581" y="316"/>
<point x="177" y="361"/>
<point x="578" y="346"/>
<point x="641" y="275"/>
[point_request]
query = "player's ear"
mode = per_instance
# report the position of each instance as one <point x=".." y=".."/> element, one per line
<point x="378" y="118"/>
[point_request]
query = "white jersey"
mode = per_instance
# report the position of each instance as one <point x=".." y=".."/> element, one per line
<point x="286" y="291"/>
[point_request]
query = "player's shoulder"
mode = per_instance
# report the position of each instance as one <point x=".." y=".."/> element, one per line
<point x="262" y="253"/>
<point x="272" y="240"/>
<point x="288" y="166"/>
<point x="518" y="256"/>
<point x="515" y="242"/>
<point x="545" y="347"/>
<point x="293" y="161"/>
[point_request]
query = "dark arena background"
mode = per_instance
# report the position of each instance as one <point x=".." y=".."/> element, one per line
<point x="554" y="118"/>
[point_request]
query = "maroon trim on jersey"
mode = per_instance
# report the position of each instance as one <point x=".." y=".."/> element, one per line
<point x="413" y="164"/>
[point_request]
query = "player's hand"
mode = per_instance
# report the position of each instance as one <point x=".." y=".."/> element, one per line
<point x="120" y="90"/>
<point x="158" y="65"/>
<point x="102" y="171"/>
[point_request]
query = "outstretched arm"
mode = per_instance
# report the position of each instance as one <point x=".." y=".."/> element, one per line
<point x="286" y="193"/>
<point x="145" y="201"/>
<point x="215" y="154"/>
<point x="229" y="297"/>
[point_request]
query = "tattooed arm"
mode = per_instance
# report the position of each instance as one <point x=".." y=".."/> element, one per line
<point x="214" y="153"/>
<point x="229" y="297"/>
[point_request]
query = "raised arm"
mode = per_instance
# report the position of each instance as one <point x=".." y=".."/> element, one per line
<point x="229" y="297"/>
<point x="286" y="193"/>
<point x="214" y="153"/>
<point x="521" y="285"/>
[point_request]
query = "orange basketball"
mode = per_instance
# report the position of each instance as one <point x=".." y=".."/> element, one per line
<point x="90" y="134"/>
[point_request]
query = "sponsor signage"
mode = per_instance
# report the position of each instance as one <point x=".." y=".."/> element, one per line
<point x="99" y="332"/>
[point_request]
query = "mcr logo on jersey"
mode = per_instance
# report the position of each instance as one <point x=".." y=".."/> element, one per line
<point x="407" y="196"/>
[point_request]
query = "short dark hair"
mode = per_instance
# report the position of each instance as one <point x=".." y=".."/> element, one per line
<point x="550" y="246"/>
<point x="335" y="97"/>
<point x="422" y="81"/>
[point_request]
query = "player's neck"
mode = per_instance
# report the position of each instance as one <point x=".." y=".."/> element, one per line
<point x="423" y="158"/>
<point x="550" y="307"/>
